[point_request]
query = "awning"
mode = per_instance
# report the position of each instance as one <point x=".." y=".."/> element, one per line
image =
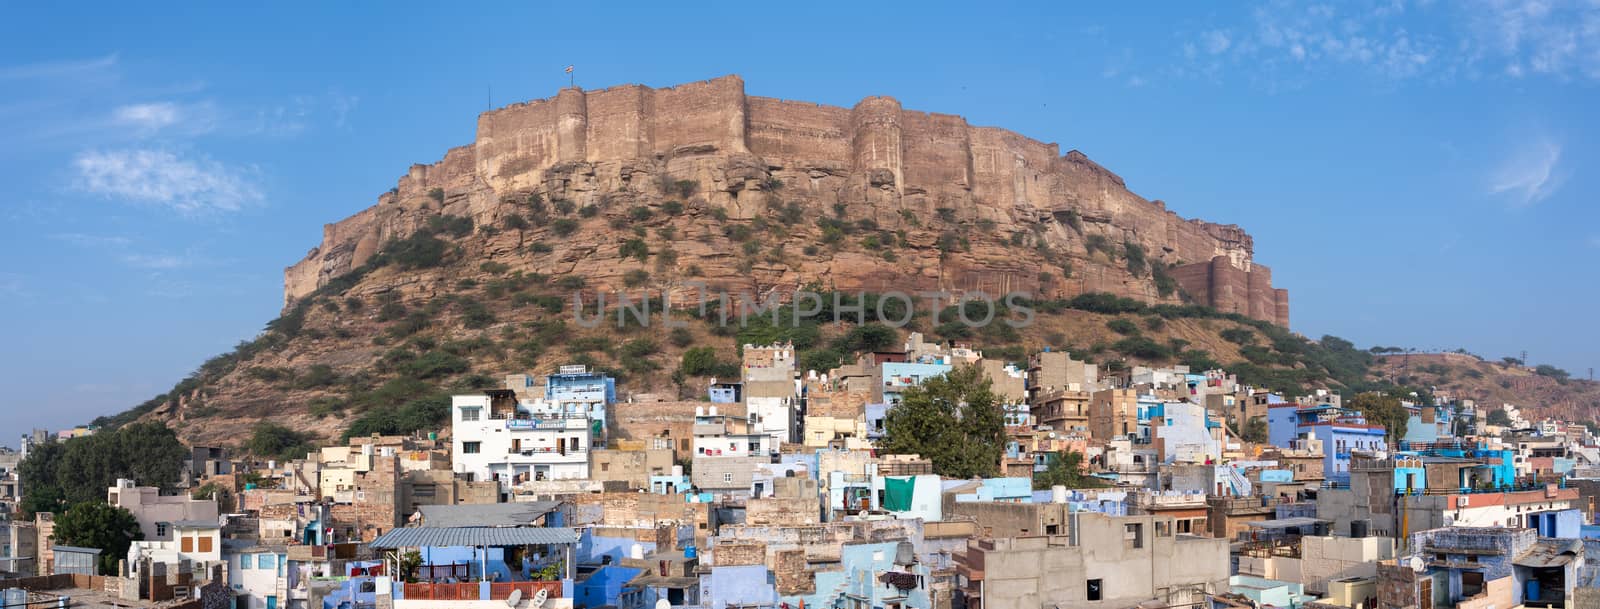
<point x="1285" y="523"/>
<point x="1550" y="553"/>
<point x="417" y="537"/>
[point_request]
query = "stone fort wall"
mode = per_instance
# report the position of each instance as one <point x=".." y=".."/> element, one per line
<point x="875" y="154"/>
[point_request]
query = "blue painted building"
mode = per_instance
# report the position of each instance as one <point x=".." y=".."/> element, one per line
<point x="575" y="390"/>
<point x="869" y="577"/>
<point x="897" y="376"/>
<point x="603" y="587"/>
<point x="1341" y="430"/>
<point x="726" y="393"/>
<point x="875" y="414"/>
<point x="738" y="586"/>
<point x="1009" y="490"/>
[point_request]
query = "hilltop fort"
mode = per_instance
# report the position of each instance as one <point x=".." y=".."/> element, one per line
<point x="961" y="199"/>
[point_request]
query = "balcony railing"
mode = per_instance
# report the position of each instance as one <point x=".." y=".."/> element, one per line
<point x="496" y="591"/>
<point x="546" y="450"/>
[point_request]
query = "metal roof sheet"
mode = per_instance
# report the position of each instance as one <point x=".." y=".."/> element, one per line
<point x="1285" y="523"/>
<point x="486" y="515"/>
<point x="1550" y="553"/>
<point x="416" y="537"/>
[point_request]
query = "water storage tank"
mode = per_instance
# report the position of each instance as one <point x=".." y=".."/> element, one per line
<point x="1358" y="528"/>
<point x="1058" y="494"/>
<point x="690" y="552"/>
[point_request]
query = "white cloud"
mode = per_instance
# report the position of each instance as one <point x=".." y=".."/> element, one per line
<point x="1216" y="41"/>
<point x="188" y="186"/>
<point x="342" y="105"/>
<point x="156" y="261"/>
<point x="174" y="118"/>
<point x="148" y="116"/>
<point x="67" y="69"/>
<point x="92" y="241"/>
<point x="1530" y="175"/>
<point x="1386" y="38"/>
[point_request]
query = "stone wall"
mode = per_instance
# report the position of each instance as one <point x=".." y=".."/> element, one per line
<point x="1228" y="286"/>
<point x="776" y="511"/>
<point x="876" y="159"/>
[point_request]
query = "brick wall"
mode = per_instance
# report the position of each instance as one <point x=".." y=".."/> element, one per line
<point x="738" y="553"/>
<point x="776" y="511"/>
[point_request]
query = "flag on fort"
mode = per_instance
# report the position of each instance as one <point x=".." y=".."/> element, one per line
<point x="569" y="69"/>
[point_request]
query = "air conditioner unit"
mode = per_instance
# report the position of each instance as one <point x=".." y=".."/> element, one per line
<point x="1462" y="501"/>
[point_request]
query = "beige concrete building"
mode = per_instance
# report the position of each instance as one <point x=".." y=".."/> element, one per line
<point x="1057" y="370"/>
<point x="1102" y="561"/>
<point x="155" y="512"/>
<point x="1113" y="413"/>
<point x="633" y="467"/>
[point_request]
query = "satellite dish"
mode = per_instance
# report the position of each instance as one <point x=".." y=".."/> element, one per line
<point x="514" y="598"/>
<point x="1416" y="564"/>
<point x="662" y="603"/>
<point x="539" y="598"/>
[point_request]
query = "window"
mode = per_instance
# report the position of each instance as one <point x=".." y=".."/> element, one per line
<point x="161" y="529"/>
<point x="186" y="544"/>
<point x="205" y="544"/>
<point x="1133" y="535"/>
<point x="471" y="414"/>
<point x="727" y="477"/>
<point x="1093" y="589"/>
<point x="267" y="562"/>
<point x="245" y="561"/>
<point x="471" y="448"/>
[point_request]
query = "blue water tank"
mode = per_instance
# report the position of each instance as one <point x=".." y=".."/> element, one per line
<point x="690" y="552"/>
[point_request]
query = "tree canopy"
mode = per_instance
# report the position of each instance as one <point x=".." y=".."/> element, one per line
<point x="1499" y="417"/>
<point x="273" y="441"/>
<point x="57" y="475"/>
<point x="953" y="420"/>
<point x="1065" y="470"/>
<point x="1383" y="409"/>
<point x="96" y="524"/>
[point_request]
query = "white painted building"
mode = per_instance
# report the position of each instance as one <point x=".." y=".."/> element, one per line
<point x="259" y="577"/>
<point x="1184" y="434"/>
<point x="720" y="435"/>
<point x="774" y="416"/>
<point x="494" y="436"/>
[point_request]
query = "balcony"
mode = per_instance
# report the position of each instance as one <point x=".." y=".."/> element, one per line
<point x="478" y="591"/>
<point x="561" y="423"/>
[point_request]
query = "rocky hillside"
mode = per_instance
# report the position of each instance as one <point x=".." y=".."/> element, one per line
<point x="466" y="270"/>
<point x="1541" y="391"/>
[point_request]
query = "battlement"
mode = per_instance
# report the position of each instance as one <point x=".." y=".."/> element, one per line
<point x="875" y="156"/>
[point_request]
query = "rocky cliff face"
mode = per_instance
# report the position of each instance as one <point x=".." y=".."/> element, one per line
<point x="962" y="208"/>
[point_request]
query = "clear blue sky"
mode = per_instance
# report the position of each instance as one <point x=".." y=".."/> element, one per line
<point x="1412" y="172"/>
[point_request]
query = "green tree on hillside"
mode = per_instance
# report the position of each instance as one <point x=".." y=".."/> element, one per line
<point x="1383" y="409"/>
<point x="1499" y="417"/>
<point x="274" y="441"/>
<point x="953" y="420"/>
<point x="95" y="524"/>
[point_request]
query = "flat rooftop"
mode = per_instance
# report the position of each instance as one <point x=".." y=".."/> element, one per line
<point x="90" y="599"/>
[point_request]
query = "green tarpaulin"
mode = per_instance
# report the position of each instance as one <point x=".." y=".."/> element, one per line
<point x="897" y="493"/>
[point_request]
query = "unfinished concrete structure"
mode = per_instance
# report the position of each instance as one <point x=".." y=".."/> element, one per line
<point x="1104" y="561"/>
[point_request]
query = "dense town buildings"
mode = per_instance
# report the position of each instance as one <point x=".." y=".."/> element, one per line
<point x="769" y="492"/>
